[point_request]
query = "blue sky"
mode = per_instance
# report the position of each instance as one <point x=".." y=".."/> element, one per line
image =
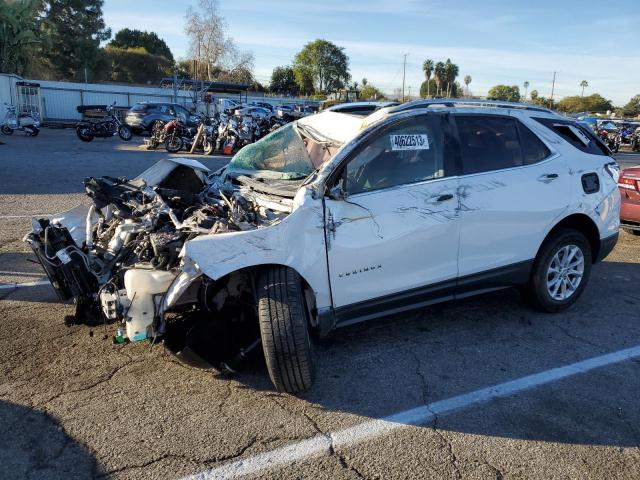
<point x="494" y="41"/>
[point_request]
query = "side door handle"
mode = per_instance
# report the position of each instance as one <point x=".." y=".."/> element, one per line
<point x="445" y="197"/>
<point x="547" y="177"/>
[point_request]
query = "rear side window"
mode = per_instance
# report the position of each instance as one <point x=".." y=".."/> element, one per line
<point x="490" y="143"/>
<point x="139" y="107"/>
<point x="577" y="135"/>
<point x="533" y="150"/>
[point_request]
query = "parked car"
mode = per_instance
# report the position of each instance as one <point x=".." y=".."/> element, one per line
<point x="142" y="116"/>
<point x="334" y="219"/>
<point x="266" y="105"/>
<point x="360" y="108"/>
<point x="255" y="112"/>
<point x="629" y="185"/>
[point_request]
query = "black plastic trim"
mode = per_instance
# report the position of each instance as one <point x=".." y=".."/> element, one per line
<point x="498" y="278"/>
<point x="606" y="246"/>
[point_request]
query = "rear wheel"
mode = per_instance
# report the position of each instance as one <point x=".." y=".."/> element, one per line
<point x="173" y="144"/>
<point x="33" y="131"/>
<point x="561" y="271"/>
<point x="208" y="146"/>
<point x="284" y="329"/>
<point x="84" y="133"/>
<point x="6" y="130"/>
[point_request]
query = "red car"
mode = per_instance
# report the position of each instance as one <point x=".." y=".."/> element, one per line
<point x="629" y="185"/>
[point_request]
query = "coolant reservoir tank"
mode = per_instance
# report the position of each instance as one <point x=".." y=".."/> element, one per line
<point x="143" y="286"/>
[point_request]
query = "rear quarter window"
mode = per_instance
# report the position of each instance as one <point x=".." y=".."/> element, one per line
<point x="584" y="139"/>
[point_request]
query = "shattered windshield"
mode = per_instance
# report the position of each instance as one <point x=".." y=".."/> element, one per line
<point x="282" y="153"/>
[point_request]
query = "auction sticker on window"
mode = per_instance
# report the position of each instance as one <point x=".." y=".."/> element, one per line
<point x="413" y="141"/>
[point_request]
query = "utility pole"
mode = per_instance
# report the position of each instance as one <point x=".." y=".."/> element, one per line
<point x="404" y="70"/>
<point x="553" y="87"/>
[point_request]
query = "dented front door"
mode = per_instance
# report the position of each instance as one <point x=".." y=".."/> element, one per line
<point x="398" y="228"/>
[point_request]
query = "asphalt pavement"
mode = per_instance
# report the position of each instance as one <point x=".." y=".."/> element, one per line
<point x="482" y="388"/>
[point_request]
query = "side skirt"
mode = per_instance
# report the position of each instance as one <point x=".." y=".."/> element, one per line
<point x="470" y="285"/>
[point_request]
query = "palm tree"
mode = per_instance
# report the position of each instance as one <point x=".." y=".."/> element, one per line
<point x="451" y="71"/>
<point x="364" y="82"/>
<point x="526" y="87"/>
<point x="467" y="81"/>
<point x="583" y="84"/>
<point x="439" y="75"/>
<point x="427" y="66"/>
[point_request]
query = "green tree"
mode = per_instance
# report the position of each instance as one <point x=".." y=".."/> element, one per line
<point x="451" y="71"/>
<point x="427" y="68"/>
<point x="364" y="82"/>
<point x="534" y="95"/>
<point x="19" y="34"/>
<point x="505" y="93"/>
<point x="632" y="109"/>
<point x="321" y="66"/>
<point x="427" y="87"/>
<point x="75" y="29"/>
<point x="467" y="81"/>
<point x="150" y="41"/>
<point x="592" y="103"/>
<point x="583" y="84"/>
<point x="132" y="65"/>
<point x="369" y="92"/>
<point x="283" y="80"/>
<point x="439" y="74"/>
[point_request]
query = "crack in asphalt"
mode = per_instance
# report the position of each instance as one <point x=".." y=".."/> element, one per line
<point x="104" y="379"/>
<point x="575" y="337"/>
<point x="209" y="461"/>
<point x="343" y="462"/>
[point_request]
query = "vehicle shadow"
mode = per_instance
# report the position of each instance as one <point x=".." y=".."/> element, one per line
<point x="383" y="367"/>
<point x="34" y="445"/>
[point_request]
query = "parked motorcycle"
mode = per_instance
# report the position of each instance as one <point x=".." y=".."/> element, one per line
<point x="610" y="138"/>
<point x="27" y="123"/>
<point x="106" y="128"/>
<point x="635" y="140"/>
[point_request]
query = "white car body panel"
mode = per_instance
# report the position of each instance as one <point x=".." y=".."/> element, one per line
<point x="392" y="240"/>
<point x="221" y="254"/>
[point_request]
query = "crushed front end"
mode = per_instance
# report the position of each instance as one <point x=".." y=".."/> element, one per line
<point x="121" y="258"/>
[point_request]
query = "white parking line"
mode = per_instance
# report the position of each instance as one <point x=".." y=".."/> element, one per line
<point x="323" y="444"/>
<point x="8" y="286"/>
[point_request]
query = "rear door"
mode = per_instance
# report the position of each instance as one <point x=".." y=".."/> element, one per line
<point x="513" y="187"/>
<point x="394" y="240"/>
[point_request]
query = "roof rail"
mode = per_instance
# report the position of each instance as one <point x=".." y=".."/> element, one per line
<point x="453" y="102"/>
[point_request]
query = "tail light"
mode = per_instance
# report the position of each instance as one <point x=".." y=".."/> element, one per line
<point x="629" y="183"/>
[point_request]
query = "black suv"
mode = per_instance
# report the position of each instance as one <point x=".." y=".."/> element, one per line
<point x="143" y="115"/>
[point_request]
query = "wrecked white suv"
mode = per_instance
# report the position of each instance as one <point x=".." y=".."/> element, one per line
<point x="333" y="220"/>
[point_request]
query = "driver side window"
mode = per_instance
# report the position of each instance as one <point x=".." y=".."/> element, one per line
<point x="409" y="151"/>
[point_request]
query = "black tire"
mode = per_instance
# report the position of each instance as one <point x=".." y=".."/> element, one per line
<point x="84" y="133"/>
<point x="285" y="330"/>
<point x="173" y="144"/>
<point x="632" y="232"/>
<point x="536" y="291"/>
<point x="125" y="133"/>
<point x="34" y="131"/>
<point x="6" y="130"/>
<point x="208" y="146"/>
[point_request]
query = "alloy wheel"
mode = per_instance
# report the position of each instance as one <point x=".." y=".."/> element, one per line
<point x="565" y="272"/>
